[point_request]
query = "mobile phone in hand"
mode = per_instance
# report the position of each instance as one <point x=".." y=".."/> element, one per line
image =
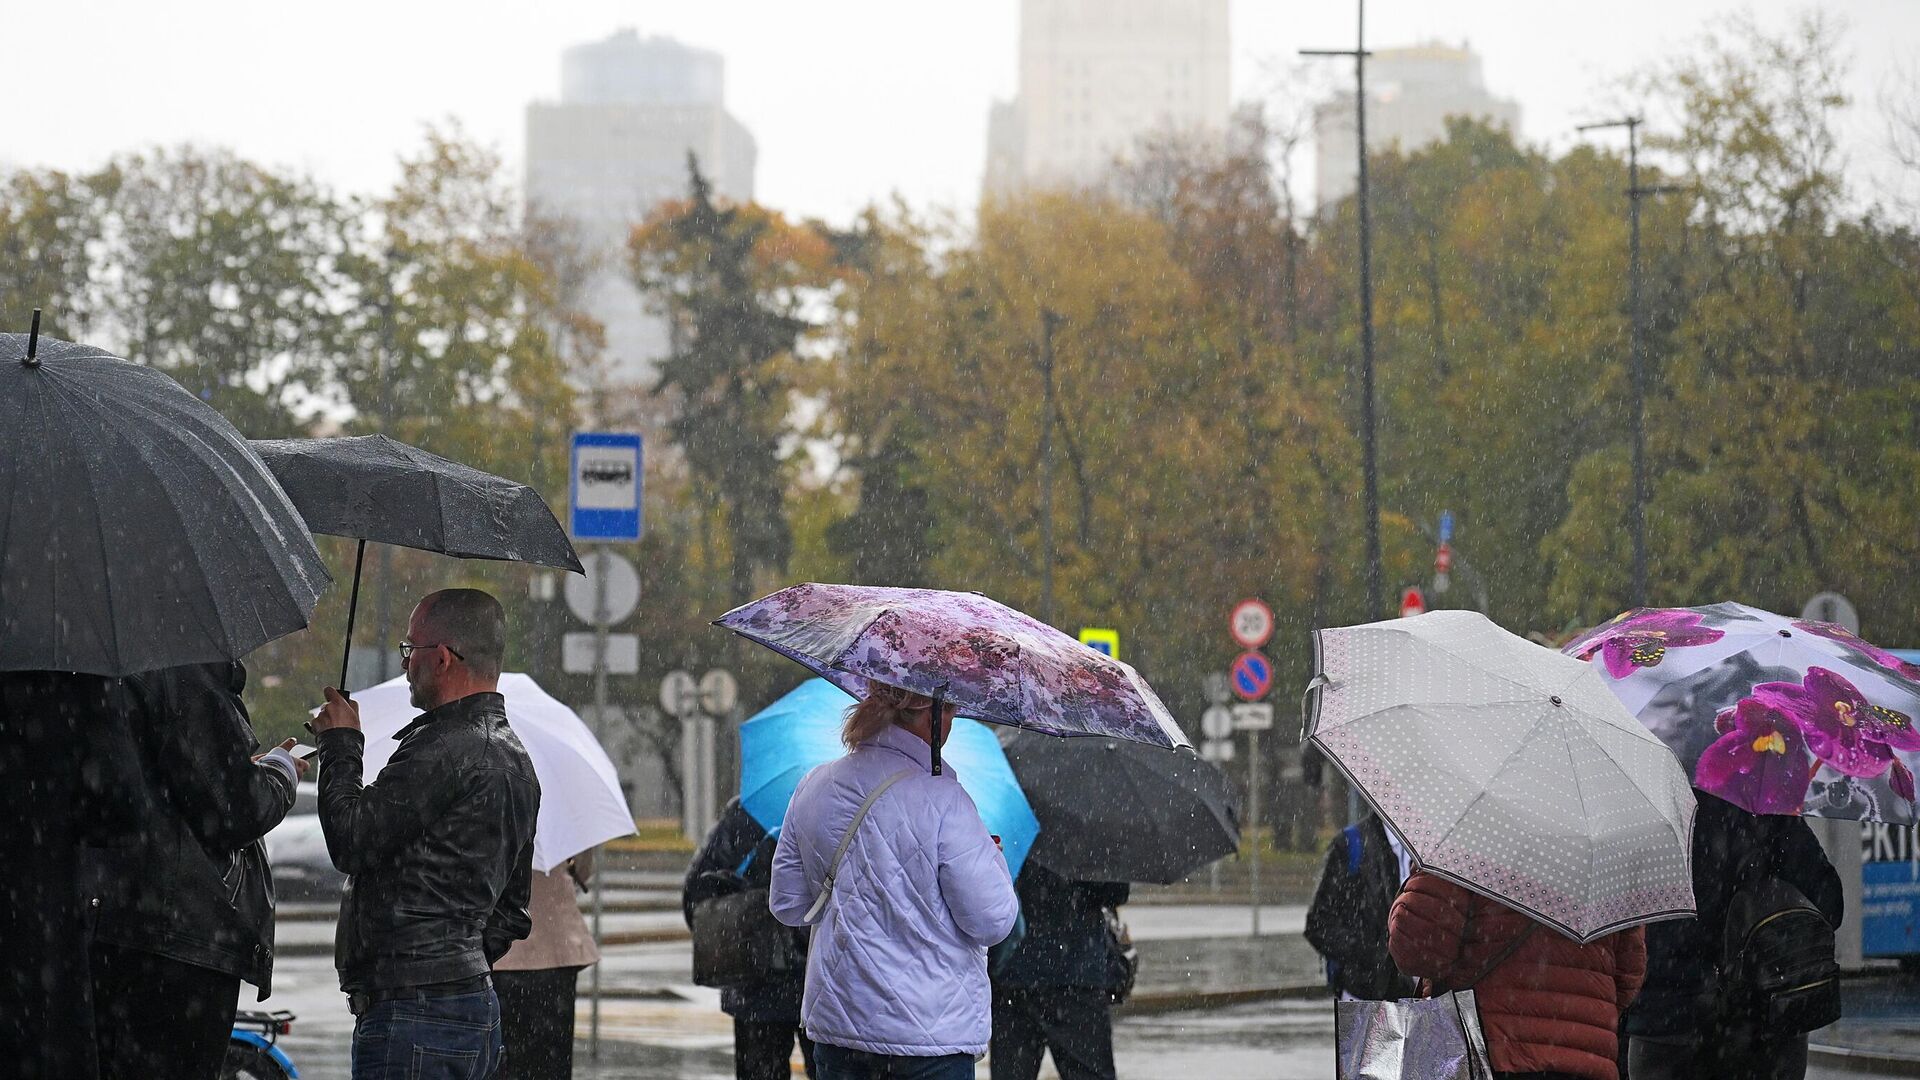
<point x="302" y="750"/>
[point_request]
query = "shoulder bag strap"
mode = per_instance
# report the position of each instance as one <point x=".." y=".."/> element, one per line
<point x="860" y="815"/>
<point x="1502" y="956"/>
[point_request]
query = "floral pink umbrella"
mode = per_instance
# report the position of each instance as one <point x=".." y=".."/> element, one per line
<point x="995" y="663"/>
<point x="1775" y="715"/>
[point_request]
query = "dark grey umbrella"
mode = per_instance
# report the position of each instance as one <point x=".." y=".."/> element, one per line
<point x="370" y="487"/>
<point x="137" y="528"/>
<point x="1113" y="810"/>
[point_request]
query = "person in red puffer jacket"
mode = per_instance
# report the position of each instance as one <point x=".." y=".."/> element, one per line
<point x="1551" y="1009"/>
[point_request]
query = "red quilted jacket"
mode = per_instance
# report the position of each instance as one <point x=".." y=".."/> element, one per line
<point x="1553" y="1006"/>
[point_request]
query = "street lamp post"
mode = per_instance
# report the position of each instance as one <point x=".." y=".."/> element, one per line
<point x="1636" y="348"/>
<point x="1048" y="321"/>
<point x="1369" y="455"/>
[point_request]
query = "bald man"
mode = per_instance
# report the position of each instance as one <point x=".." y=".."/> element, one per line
<point x="438" y="851"/>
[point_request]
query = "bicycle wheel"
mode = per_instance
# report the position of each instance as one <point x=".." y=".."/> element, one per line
<point x="246" y="1062"/>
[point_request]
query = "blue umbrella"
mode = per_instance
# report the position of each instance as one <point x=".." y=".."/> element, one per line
<point x="785" y="740"/>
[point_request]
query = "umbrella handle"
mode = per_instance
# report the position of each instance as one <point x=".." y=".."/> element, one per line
<point x="933" y="729"/>
<point x="353" y="605"/>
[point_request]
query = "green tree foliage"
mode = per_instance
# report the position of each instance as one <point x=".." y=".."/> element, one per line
<point x="1785" y="395"/>
<point x="226" y="275"/>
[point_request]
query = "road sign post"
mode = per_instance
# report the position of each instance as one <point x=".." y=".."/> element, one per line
<point x="604" y="505"/>
<point x="1251" y="678"/>
<point x="1253" y="825"/>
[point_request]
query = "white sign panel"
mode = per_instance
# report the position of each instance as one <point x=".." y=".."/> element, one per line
<point x="623" y="654"/>
<point x="1255" y="716"/>
<point x="1216" y="722"/>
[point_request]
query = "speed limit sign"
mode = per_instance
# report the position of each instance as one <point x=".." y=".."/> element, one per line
<point x="1252" y="623"/>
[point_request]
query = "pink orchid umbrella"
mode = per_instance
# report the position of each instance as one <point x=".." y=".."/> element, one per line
<point x="1773" y="714"/>
<point x="996" y="664"/>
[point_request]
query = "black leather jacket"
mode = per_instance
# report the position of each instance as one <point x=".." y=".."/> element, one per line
<point x="438" y="852"/>
<point x="189" y="879"/>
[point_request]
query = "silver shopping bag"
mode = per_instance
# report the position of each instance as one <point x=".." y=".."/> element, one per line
<point x="1436" y="1038"/>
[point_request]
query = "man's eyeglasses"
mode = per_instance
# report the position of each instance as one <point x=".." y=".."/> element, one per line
<point x="407" y="647"/>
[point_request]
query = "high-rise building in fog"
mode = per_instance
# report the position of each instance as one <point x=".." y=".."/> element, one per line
<point x="614" y="146"/>
<point x="1096" y="76"/>
<point x="1411" y="93"/>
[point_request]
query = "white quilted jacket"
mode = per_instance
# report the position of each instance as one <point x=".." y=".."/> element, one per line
<point x="898" y="963"/>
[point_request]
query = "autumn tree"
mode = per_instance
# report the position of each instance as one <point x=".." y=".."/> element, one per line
<point x="734" y="283"/>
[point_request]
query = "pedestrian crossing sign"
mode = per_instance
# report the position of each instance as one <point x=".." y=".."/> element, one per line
<point x="1107" y="641"/>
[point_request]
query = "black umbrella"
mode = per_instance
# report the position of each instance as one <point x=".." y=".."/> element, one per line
<point x="137" y="528"/>
<point x="370" y="487"/>
<point x="1112" y="810"/>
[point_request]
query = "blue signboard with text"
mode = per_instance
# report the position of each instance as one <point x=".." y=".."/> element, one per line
<point x="605" y="491"/>
<point x="1890" y="891"/>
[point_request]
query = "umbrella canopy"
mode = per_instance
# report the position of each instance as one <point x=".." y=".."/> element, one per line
<point x="995" y="663"/>
<point x="373" y="488"/>
<point x="1508" y="768"/>
<point x="581" y="803"/>
<point x="139" y="530"/>
<point x="1112" y="810"/>
<point x="1773" y="714"/>
<point x="787" y="739"/>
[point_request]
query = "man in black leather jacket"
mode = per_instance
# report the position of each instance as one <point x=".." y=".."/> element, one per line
<point x="181" y="904"/>
<point x="438" y="851"/>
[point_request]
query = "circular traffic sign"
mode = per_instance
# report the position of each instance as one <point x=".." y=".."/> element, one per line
<point x="1217" y="722"/>
<point x="1251" y="675"/>
<point x="718" y="692"/>
<point x="1251" y="623"/>
<point x="1831" y="607"/>
<point x="680" y="694"/>
<point x="622" y="585"/>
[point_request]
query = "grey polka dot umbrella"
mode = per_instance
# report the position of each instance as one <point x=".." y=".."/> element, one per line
<point x="1508" y="768"/>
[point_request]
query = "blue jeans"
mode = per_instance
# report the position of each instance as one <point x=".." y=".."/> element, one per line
<point x="840" y="1063"/>
<point x="429" y="1038"/>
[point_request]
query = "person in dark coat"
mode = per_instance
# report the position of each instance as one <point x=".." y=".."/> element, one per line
<point x="738" y="854"/>
<point x="1677" y="1028"/>
<point x="1053" y="993"/>
<point x="181" y="906"/>
<point x="47" y="720"/>
<point x="1347" y="920"/>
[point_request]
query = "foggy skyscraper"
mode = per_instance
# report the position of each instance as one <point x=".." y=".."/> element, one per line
<point x="1096" y="76"/>
<point x="616" y="145"/>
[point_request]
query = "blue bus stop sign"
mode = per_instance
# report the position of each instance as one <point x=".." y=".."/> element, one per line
<point x="605" y="490"/>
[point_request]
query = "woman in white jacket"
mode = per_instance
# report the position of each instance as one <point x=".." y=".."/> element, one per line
<point x="897" y="972"/>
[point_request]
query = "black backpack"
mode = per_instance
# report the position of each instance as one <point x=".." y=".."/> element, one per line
<point x="1777" y="959"/>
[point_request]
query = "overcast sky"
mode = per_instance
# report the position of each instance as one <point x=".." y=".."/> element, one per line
<point x="850" y="100"/>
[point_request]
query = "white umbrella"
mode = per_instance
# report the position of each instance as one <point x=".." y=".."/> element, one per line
<point x="581" y="804"/>
<point x="1508" y="768"/>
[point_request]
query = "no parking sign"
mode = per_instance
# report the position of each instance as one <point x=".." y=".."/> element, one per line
<point x="1251" y="676"/>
